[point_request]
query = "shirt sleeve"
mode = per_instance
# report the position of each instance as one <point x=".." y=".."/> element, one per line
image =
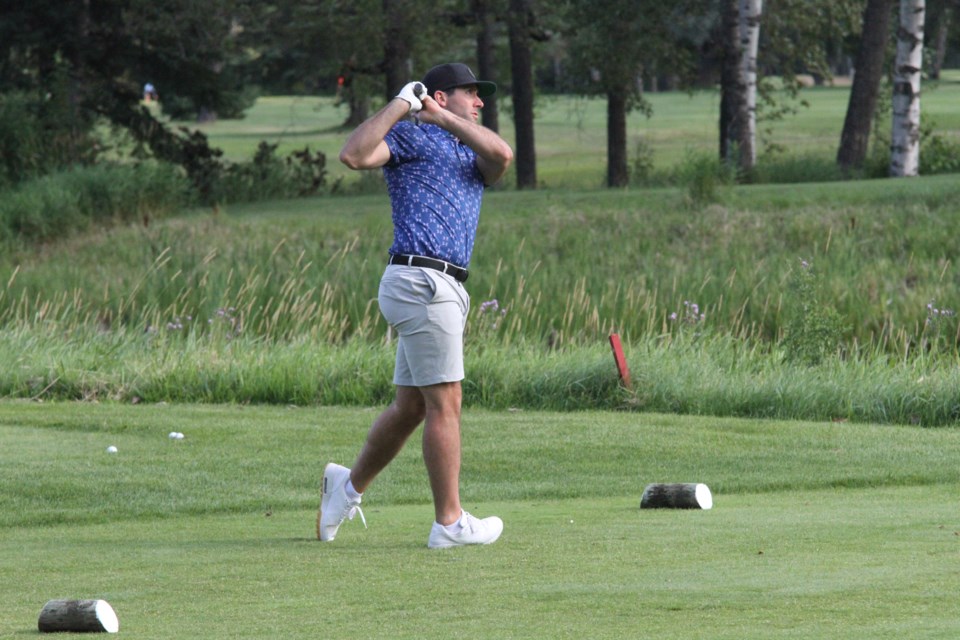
<point x="404" y="142"/>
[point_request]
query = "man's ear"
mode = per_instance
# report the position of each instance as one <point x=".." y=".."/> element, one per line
<point x="440" y="97"/>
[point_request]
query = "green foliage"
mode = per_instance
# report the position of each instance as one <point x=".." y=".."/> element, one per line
<point x="642" y="164"/>
<point x="941" y="331"/>
<point x="702" y="175"/>
<point x="38" y="136"/>
<point x="215" y="358"/>
<point x="814" y="327"/>
<point x="938" y="154"/>
<point x="649" y="36"/>
<point x="310" y="267"/>
<point x="783" y="168"/>
<point x="266" y="176"/>
<point x="61" y="204"/>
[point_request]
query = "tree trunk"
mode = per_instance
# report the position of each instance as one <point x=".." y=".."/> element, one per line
<point x="78" y="615"/>
<point x="750" y="12"/>
<point x="738" y="82"/>
<point x="617" y="173"/>
<point x="676" y="496"/>
<point x="732" y="91"/>
<point x="905" y="140"/>
<point x="868" y="72"/>
<point x="359" y="110"/>
<point x="940" y="42"/>
<point x="486" y="62"/>
<point x="396" y="54"/>
<point x="522" y="71"/>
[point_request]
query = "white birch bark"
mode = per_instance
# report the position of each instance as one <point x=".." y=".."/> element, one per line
<point x="750" y="12"/>
<point x="905" y="139"/>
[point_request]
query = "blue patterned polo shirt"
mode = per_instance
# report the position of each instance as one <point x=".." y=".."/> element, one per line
<point x="435" y="190"/>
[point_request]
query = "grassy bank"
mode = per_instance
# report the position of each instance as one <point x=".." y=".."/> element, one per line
<point x="720" y="377"/>
<point x="566" y="268"/>
<point x="725" y="295"/>
<point x="276" y="303"/>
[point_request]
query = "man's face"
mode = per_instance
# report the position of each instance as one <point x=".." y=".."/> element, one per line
<point x="464" y="102"/>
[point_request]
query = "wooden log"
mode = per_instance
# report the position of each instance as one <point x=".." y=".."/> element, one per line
<point x="78" y="615"/>
<point x="676" y="496"/>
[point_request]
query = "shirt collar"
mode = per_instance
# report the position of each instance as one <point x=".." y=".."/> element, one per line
<point x="434" y="130"/>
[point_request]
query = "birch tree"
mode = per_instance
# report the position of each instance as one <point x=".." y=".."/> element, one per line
<point x="738" y="82"/>
<point x="905" y="139"/>
<point x="750" y="12"/>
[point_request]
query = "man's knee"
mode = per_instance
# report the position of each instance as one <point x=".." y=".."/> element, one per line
<point x="410" y="404"/>
<point x="443" y="399"/>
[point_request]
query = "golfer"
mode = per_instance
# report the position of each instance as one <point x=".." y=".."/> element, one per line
<point x="436" y="168"/>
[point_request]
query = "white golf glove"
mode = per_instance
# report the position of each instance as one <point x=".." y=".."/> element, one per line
<point x="412" y="93"/>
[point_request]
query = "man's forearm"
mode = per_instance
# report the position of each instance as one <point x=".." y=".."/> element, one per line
<point x="494" y="154"/>
<point x="363" y="149"/>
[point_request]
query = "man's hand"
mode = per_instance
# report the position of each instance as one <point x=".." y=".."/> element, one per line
<point x="412" y="92"/>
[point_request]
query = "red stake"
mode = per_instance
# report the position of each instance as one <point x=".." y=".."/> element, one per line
<point x="620" y="359"/>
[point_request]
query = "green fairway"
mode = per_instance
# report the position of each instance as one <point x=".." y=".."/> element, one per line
<point x="570" y="132"/>
<point x="818" y="529"/>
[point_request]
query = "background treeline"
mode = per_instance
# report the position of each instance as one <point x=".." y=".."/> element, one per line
<point x="72" y="75"/>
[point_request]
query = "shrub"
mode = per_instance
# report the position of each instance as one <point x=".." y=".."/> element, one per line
<point x="814" y="328"/>
<point x="36" y="137"/>
<point x="267" y="176"/>
<point x="702" y="175"/>
<point x="939" y="155"/>
<point x="787" y="169"/>
<point x="63" y="203"/>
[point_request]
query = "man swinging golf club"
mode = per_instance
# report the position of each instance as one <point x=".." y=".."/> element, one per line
<point x="436" y="169"/>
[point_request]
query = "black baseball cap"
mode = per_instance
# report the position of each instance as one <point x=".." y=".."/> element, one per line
<point x="448" y="76"/>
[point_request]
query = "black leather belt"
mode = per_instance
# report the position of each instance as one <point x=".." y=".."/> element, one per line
<point x="459" y="273"/>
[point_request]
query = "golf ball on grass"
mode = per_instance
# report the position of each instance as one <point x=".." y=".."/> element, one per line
<point x="111" y="449"/>
<point x="175" y="435"/>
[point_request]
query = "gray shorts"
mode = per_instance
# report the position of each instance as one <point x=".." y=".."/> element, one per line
<point x="428" y="310"/>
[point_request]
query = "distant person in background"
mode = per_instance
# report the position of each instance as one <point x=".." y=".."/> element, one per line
<point x="150" y="93"/>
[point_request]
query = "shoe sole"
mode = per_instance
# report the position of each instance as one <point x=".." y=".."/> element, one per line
<point x="323" y="493"/>
<point x="451" y="544"/>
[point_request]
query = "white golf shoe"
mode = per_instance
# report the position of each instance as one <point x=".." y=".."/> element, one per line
<point x="472" y="531"/>
<point x="335" y="506"/>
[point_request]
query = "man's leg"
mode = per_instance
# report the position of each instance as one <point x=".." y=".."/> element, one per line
<point x="441" y="448"/>
<point x="387" y="436"/>
<point x="441" y="453"/>
<point x="384" y="441"/>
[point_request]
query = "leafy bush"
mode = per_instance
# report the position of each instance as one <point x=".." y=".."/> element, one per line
<point x="702" y="175"/>
<point x="642" y="164"/>
<point x="267" y="176"/>
<point x="36" y="138"/>
<point x="62" y="203"/>
<point x="814" y="328"/>
<point x="939" y="155"/>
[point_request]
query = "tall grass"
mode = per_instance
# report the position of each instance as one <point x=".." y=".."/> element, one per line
<point x="57" y="205"/>
<point x="565" y="268"/>
<point x="691" y="270"/>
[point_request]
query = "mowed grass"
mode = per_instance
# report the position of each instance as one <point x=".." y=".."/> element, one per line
<point x="570" y="132"/>
<point x="818" y="529"/>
